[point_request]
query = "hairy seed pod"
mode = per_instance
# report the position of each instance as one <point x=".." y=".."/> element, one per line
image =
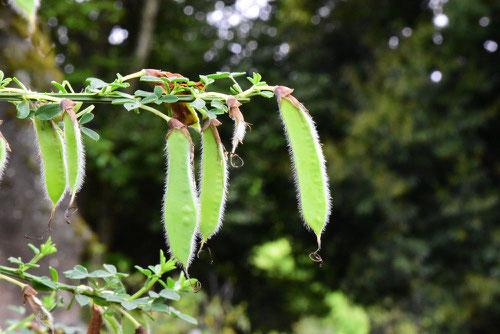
<point x="213" y="183"/>
<point x="308" y="161"/>
<point x="75" y="156"/>
<point x="4" y="151"/>
<point x="180" y="204"/>
<point x="240" y="126"/>
<point x="53" y="169"/>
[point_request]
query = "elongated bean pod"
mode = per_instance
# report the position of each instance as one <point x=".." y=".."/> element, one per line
<point x="180" y="204"/>
<point x="4" y="151"/>
<point x="53" y="169"/>
<point x="213" y="180"/>
<point x="308" y="162"/>
<point x="75" y="156"/>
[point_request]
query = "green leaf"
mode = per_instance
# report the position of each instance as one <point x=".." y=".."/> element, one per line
<point x="54" y="274"/>
<point x="170" y="283"/>
<point x="59" y="87"/>
<point x="110" y="268"/>
<point x="48" y="111"/>
<point x="150" y="78"/>
<point x="86" y="118"/>
<point x="149" y="99"/>
<point x="23" y="109"/>
<point x="100" y="274"/>
<point x="34" y="249"/>
<point x="95" y="83"/>
<point x="267" y="94"/>
<point x="123" y="101"/>
<point x="78" y="272"/>
<point x="142" y="93"/>
<point x="45" y="282"/>
<point x="158" y="306"/>
<point x="158" y="91"/>
<point x="82" y="299"/>
<point x="90" y="133"/>
<point x="145" y="272"/>
<point x="15" y="261"/>
<point x="183" y="316"/>
<point x="168" y="99"/>
<point x="19" y="83"/>
<point x="132" y="106"/>
<point x="169" y="294"/>
<point x="129" y="305"/>
<point x="197" y="104"/>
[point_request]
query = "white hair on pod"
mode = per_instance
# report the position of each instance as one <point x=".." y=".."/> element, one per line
<point x="42" y="165"/>
<point x="4" y="155"/>
<point x="81" y="161"/>
<point x="196" y="230"/>
<point x="319" y="152"/>
<point x="225" y="185"/>
<point x="240" y="129"/>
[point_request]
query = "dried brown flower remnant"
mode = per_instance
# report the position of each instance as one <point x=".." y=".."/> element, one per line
<point x="41" y="314"/>
<point x="282" y="91"/>
<point x="180" y="110"/>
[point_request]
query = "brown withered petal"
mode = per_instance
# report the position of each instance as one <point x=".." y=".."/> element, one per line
<point x="175" y="124"/>
<point x="180" y="110"/>
<point x="239" y="122"/>
<point x="67" y="106"/>
<point x="141" y="330"/>
<point x="41" y="314"/>
<point x="95" y="320"/>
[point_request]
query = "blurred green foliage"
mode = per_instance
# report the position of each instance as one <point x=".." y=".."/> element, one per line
<point x="414" y="163"/>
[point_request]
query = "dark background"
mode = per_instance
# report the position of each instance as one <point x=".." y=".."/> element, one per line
<point x="406" y="100"/>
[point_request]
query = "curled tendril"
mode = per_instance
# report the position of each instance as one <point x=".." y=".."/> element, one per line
<point x="209" y="253"/>
<point x="48" y="229"/>
<point x="315" y="257"/>
<point x="197" y="287"/>
<point x="236" y="165"/>
<point x="70" y="211"/>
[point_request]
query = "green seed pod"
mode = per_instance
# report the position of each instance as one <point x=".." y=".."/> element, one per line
<point x="75" y="156"/>
<point x="213" y="180"/>
<point x="4" y="151"/>
<point x="308" y="161"/>
<point x="50" y="143"/>
<point x="180" y="204"/>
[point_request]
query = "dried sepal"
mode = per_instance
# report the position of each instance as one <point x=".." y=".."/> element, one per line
<point x="308" y="161"/>
<point x="41" y="314"/>
<point x="180" y="110"/>
<point x="240" y="125"/>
